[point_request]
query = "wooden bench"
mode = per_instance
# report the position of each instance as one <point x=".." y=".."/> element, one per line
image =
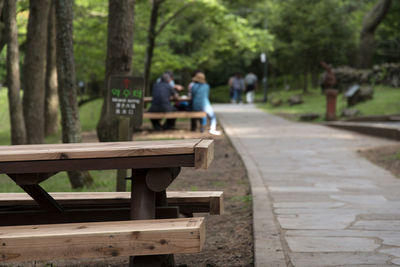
<point x="154" y="164"/>
<point x="175" y="115"/>
<point x="102" y="206"/>
<point x="101" y="239"/>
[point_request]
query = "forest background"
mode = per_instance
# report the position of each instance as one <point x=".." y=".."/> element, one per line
<point x="222" y="37"/>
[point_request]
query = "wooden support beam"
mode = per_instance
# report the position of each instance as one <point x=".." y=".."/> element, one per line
<point x="80" y="214"/>
<point x="188" y="202"/>
<point x="203" y="154"/>
<point x="43" y="198"/>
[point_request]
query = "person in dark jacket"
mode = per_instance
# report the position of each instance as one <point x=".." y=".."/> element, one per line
<point x="161" y="92"/>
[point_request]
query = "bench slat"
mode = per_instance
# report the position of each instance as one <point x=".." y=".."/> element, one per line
<point x="212" y="199"/>
<point x="175" y="115"/>
<point x="102" y="239"/>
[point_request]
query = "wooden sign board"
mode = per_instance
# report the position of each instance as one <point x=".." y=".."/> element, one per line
<point x="126" y="97"/>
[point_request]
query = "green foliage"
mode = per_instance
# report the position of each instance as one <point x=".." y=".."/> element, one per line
<point x="90" y="39"/>
<point x="308" y="32"/>
<point x="220" y="94"/>
<point x="205" y="35"/>
<point x="388" y="36"/>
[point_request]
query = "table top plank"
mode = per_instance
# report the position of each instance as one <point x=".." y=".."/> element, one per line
<point x="97" y="150"/>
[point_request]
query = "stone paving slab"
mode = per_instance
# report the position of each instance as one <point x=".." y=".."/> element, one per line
<point x="331" y="244"/>
<point x="338" y="259"/>
<point x="315" y="201"/>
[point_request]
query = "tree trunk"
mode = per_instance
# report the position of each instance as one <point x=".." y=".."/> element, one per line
<point x="314" y="78"/>
<point x="34" y="71"/>
<point x="305" y="81"/>
<point x="51" y="100"/>
<point x="2" y="4"/>
<point x="71" y="129"/>
<point x="371" y="21"/>
<point x="3" y="27"/>
<point x="152" y="35"/>
<point x="151" y="39"/>
<point x="18" y="134"/>
<point x="119" y="59"/>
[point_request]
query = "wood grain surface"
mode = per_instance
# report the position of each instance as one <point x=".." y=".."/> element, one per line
<point x="96" y="150"/>
<point x="101" y="239"/>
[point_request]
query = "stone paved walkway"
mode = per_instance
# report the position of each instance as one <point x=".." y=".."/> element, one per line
<point x="316" y="202"/>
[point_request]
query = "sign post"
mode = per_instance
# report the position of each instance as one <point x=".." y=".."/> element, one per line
<point x="126" y="99"/>
<point x="263" y="58"/>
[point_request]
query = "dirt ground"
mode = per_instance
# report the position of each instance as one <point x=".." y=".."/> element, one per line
<point x="387" y="157"/>
<point x="229" y="237"/>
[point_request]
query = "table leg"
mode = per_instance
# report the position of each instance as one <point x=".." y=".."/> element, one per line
<point x="161" y="201"/>
<point x="143" y="207"/>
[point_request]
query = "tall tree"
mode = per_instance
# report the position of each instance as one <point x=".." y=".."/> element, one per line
<point x="18" y="133"/>
<point x="151" y="38"/>
<point x="34" y="70"/>
<point x="71" y="129"/>
<point x="119" y="59"/>
<point x="2" y="2"/>
<point x="153" y="32"/>
<point x="371" y="21"/>
<point x="51" y="98"/>
<point x="3" y="28"/>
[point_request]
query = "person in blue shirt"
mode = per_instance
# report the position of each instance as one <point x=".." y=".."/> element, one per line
<point x="200" y="91"/>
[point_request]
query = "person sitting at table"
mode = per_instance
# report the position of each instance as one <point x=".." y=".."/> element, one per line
<point x="161" y="92"/>
<point x="177" y="87"/>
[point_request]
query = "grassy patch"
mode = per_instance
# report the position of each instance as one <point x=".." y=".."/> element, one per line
<point x="89" y="114"/>
<point x="4" y="118"/>
<point x="385" y="102"/>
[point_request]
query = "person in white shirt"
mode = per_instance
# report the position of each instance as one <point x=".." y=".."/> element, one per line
<point x="251" y="85"/>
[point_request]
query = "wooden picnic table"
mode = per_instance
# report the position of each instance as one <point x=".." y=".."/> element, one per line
<point x="154" y="164"/>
